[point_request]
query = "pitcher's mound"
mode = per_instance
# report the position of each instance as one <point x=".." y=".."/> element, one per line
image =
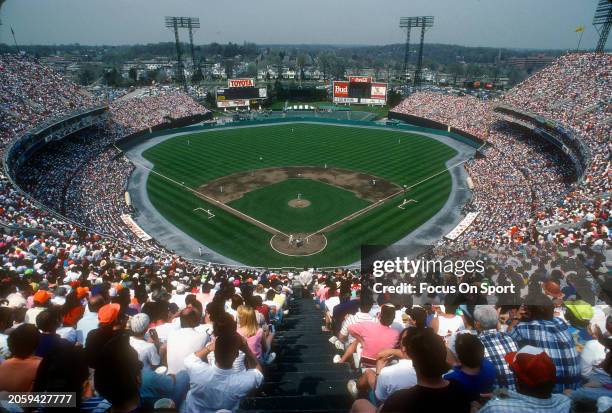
<point x="299" y="203"/>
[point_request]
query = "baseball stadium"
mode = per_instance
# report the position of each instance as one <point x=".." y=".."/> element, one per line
<point x="249" y="228"/>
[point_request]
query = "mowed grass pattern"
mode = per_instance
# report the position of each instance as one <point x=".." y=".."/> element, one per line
<point x="270" y="204"/>
<point x="195" y="159"/>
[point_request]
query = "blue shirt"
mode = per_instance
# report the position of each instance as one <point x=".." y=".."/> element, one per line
<point x="474" y="384"/>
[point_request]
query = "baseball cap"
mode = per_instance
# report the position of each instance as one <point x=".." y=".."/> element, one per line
<point x="552" y="289"/>
<point x="580" y="309"/>
<point x="82" y="292"/>
<point x="532" y="366"/>
<point x="42" y="296"/>
<point x="139" y="323"/>
<point x="107" y="314"/>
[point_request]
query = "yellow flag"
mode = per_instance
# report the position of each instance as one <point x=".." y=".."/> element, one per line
<point x="579" y="29"/>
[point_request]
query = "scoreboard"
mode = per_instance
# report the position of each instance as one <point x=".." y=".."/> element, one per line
<point x="240" y="93"/>
<point x="360" y="90"/>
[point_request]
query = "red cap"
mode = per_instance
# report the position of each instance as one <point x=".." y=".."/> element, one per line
<point x="42" y="296"/>
<point x="552" y="288"/>
<point x="532" y="366"/>
<point x="107" y="314"/>
<point x="82" y="292"/>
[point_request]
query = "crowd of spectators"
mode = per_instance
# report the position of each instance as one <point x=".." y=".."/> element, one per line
<point x="144" y="334"/>
<point x="92" y="298"/>
<point x="547" y="352"/>
<point x="143" y="112"/>
<point x="524" y="189"/>
<point x="31" y="93"/>
<point x="71" y="175"/>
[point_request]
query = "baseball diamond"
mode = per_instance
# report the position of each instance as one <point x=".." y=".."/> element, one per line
<point x="301" y="193"/>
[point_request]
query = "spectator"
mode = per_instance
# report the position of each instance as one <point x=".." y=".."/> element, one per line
<point x="17" y="374"/>
<point x="432" y="392"/>
<point x="48" y="322"/>
<point x="41" y="302"/>
<point x="89" y="321"/>
<point x="111" y="325"/>
<point x="147" y="352"/>
<point x="219" y="386"/>
<point x="117" y="376"/>
<point x="65" y="371"/>
<point x="185" y="341"/>
<point x="373" y="337"/>
<point x="475" y="374"/>
<point x="447" y="322"/>
<point x="535" y="380"/>
<point x="538" y="328"/>
<point x="496" y="344"/>
<point x="388" y="377"/>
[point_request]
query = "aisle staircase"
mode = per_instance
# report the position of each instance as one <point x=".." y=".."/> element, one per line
<point x="303" y="378"/>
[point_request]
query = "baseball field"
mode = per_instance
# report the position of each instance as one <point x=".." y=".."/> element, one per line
<point x="299" y="194"/>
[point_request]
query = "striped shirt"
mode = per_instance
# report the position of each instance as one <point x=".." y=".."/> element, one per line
<point x="351" y="319"/>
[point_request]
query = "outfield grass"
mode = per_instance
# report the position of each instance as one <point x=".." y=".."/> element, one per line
<point x="396" y="156"/>
<point x="270" y="204"/>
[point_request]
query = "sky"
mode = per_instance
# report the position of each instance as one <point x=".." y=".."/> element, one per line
<point x="541" y="24"/>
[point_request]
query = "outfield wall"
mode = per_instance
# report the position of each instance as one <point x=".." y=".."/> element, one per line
<point x="440" y="127"/>
<point x="460" y="136"/>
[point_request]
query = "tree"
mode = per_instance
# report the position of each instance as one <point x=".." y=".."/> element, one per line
<point x="228" y="65"/>
<point x="251" y="70"/>
<point x="210" y="99"/>
<point x="197" y="75"/>
<point x="281" y="58"/>
<point x="133" y="74"/>
<point x="300" y="62"/>
<point x="393" y="98"/>
<point x="112" y="77"/>
<point x="86" y="75"/>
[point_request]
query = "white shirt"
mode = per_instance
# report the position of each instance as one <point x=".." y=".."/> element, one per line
<point x="88" y="322"/>
<point x="212" y="388"/>
<point x="181" y="343"/>
<point x="147" y="352"/>
<point x="330" y="303"/>
<point x="4" y="350"/>
<point x="32" y="313"/>
<point x="448" y="326"/>
<point x="164" y="330"/>
<point x="591" y="356"/>
<point x="392" y="378"/>
<point x="70" y="334"/>
<point x="179" y="300"/>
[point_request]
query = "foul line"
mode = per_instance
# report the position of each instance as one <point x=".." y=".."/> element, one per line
<point x="211" y="200"/>
<point x="276" y="231"/>
<point x="377" y="203"/>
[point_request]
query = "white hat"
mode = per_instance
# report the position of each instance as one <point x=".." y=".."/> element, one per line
<point x="139" y="323"/>
<point x="16" y="300"/>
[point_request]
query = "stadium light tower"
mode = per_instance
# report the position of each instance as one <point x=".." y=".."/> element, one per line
<point x="192" y="23"/>
<point x="176" y="23"/>
<point x="423" y="22"/>
<point x="602" y="22"/>
<point x="406" y="23"/>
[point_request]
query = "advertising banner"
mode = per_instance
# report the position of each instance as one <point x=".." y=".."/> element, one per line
<point x="240" y="83"/>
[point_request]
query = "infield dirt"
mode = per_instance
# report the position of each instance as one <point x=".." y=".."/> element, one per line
<point x="232" y="187"/>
